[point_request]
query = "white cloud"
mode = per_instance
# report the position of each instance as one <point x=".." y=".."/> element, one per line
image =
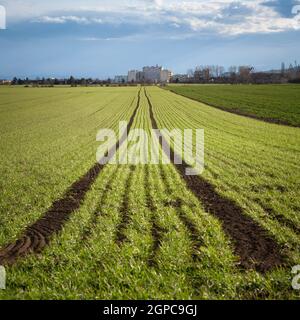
<point x="141" y="37"/>
<point x="61" y="19"/>
<point x="65" y="19"/>
<point x="226" y="17"/>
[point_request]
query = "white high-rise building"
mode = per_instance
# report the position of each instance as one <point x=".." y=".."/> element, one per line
<point x="152" y="74"/>
<point x="132" y="75"/>
<point x="165" y="76"/>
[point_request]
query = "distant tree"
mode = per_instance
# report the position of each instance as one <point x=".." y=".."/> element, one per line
<point x="233" y="74"/>
<point x="245" y="74"/>
<point x="219" y="71"/>
<point x="71" y="80"/>
<point x="232" y="70"/>
<point x="83" y="82"/>
<point x="14" y="81"/>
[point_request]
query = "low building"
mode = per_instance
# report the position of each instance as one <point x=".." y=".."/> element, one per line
<point x="201" y="75"/>
<point x="180" y="78"/>
<point x="121" y="79"/>
<point x="267" y="77"/>
<point x="5" y="82"/>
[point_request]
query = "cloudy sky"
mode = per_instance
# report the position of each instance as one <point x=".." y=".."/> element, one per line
<point x="102" y="38"/>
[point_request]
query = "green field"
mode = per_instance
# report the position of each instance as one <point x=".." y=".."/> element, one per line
<point x="272" y="103"/>
<point x="144" y="231"/>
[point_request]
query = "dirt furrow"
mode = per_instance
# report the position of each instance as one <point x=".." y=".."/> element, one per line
<point x="252" y="243"/>
<point x="38" y="235"/>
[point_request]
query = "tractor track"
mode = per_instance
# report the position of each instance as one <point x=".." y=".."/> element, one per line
<point x="252" y="243"/>
<point x="38" y="235"/>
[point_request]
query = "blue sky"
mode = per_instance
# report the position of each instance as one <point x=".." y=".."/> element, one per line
<point x="104" y="38"/>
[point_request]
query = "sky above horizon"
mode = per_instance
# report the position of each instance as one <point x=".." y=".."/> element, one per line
<point x="89" y="38"/>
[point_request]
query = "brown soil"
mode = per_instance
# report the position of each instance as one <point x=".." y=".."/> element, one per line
<point x="38" y="235"/>
<point x="255" y="247"/>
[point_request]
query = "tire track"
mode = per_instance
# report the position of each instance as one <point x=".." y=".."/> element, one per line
<point x="38" y="235"/>
<point x="252" y="243"/>
<point x="125" y="215"/>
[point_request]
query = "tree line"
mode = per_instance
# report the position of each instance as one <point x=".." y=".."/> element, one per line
<point x="238" y="74"/>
